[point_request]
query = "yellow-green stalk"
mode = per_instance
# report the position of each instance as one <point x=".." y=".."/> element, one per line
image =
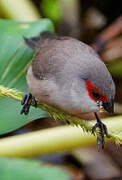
<point x="64" y="116"/>
<point x="54" y="140"/>
<point x="22" y="10"/>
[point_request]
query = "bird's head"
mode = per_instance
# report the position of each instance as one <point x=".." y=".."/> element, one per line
<point x="106" y="101"/>
<point x="95" y="87"/>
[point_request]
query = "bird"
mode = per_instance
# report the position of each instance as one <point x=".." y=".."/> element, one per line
<point x="69" y="75"/>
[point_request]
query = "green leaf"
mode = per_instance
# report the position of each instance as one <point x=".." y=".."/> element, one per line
<point x="52" y="10"/>
<point x="15" y="57"/>
<point x="12" y="169"/>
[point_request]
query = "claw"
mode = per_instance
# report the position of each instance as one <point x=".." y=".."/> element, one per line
<point x="26" y="102"/>
<point x="23" y="100"/>
<point x="34" y="101"/>
<point x="94" y="128"/>
<point x="103" y="131"/>
<point x="106" y="132"/>
<point x="98" y="143"/>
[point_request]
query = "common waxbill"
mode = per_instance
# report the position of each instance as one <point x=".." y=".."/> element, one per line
<point x="67" y="74"/>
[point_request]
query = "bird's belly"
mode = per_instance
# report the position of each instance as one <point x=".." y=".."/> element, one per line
<point x="49" y="93"/>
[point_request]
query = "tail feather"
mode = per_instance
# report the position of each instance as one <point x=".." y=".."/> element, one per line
<point x="30" y="42"/>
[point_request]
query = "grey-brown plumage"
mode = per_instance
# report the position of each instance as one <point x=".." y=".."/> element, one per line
<point x="61" y="74"/>
<point x="59" y="69"/>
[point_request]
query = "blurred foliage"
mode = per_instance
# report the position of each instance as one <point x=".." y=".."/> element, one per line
<point x="23" y="10"/>
<point x="116" y="68"/>
<point x="14" y="60"/>
<point x="52" y="9"/>
<point x="17" y="169"/>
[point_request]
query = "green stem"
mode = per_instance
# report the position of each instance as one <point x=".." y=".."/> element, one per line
<point x="56" y="114"/>
<point x="57" y="139"/>
<point x="53" y="140"/>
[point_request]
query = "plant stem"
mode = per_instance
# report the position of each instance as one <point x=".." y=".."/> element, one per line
<point x="53" y="140"/>
<point x="56" y="114"/>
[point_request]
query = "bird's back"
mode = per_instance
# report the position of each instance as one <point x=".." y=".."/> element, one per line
<point x="55" y="53"/>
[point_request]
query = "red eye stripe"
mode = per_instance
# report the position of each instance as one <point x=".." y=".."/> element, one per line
<point x="90" y="87"/>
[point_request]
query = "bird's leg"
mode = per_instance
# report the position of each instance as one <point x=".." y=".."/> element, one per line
<point x="26" y="102"/>
<point x="103" y="130"/>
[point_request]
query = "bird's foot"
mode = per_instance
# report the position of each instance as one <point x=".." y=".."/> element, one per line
<point x="103" y="131"/>
<point x="26" y="102"/>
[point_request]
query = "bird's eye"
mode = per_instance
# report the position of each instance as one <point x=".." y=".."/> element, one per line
<point x="95" y="94"/>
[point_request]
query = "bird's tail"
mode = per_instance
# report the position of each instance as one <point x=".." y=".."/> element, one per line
<point x="32" y="42"/>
